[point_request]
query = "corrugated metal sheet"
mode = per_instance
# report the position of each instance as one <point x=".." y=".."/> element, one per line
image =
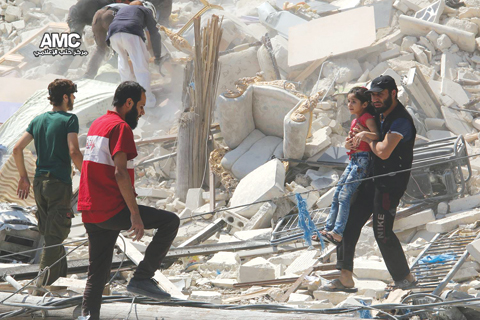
<point x="9" y="180"/>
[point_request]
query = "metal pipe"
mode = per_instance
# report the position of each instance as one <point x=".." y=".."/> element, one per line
<point x="13" y="282"/>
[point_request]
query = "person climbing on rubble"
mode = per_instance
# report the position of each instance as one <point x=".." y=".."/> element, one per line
<point x="359" y="105"/>
<point x="392" y="152"/>
<point x="55" y="135"/>
<point x="108" y="205"/>
<point x="126" y="37"/>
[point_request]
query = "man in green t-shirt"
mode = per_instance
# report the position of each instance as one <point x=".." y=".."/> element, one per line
<point x="55" y="135"/>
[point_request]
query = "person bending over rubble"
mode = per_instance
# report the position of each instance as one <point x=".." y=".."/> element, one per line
<point x="126" y="37"/>
<point x="393" y="152"/>
<point x="55" y="137"/>
<point x="360" y="106"/>
<point x="107" y="201"/>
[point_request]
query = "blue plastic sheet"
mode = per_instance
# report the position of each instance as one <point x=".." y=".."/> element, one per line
<point x="444" y="257"/>
<point x="365" y="314"/>
<point x="306" y="224"/>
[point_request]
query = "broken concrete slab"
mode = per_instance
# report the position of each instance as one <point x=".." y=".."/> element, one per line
<point x="462" y="24"/>
<point x="307" y="259"/>
<point x="368" y="269"/>
<point x="420" y="55"/>
<point x="439" y="134"/>
<point x="421" y="93"/>
<point x="455" y="122"/>
<point x="465" y="203"/>
<point x="333" y="297"/>
<point x="306" y="44"/>
<point x="448" y="66"/>
<point x="223" y="261"/>
<point x="452" y="221"/>
<point x="299" y="299"/>
<point x="371" y="288"/>
<point x="264" y="183"/>
<point x="194" y="198"/>
<point x="206" y="296"/>
<point x="13" y="13"/>
<point x="319" y="141"/>
<point x="263" y="217"/>
<point x="474" y="249"/>
<point x="416" y="27"/>
<point x="415" y="220"/>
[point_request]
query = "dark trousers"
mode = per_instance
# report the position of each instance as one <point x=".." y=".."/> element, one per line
<point x="101" y="241"/>
<point x="54" y="214"/>
<point x="383" y="204"/>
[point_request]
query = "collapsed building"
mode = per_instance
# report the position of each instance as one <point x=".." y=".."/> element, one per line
<point x="278" y="129"/>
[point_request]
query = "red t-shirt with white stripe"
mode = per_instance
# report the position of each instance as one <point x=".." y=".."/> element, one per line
<point x="99" y="197"/>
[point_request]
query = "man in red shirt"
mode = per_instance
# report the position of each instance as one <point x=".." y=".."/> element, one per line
<point x="108" y="205"/>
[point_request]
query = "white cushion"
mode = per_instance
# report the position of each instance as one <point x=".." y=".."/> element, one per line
<point x="259" y="153"/>
<point x="232" y="156"/>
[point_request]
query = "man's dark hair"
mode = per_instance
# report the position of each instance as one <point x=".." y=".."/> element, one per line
<point x="127" y="89"/>
<point x="58" y="88"/>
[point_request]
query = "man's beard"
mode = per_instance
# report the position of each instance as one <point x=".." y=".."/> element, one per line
<point x="386" y="104"/>
<point x="131" y="118"/>
<point x="69" y="104"/>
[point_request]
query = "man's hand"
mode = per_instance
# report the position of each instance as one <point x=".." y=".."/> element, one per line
<point x="359" y="128"/>
<point x="136" y="228"/>
<point x="359" y="137"/>
<point x="23" y="188"/>
<point x="349" y="143"/>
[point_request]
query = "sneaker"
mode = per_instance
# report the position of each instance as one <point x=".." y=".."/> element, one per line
<point x="148" y="288"/>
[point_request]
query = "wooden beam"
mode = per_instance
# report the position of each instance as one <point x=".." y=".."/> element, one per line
<point x="136" y="257"/>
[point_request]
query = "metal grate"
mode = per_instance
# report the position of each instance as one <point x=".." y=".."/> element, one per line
<point x="287" y="228"/>
<point x="433" y="277"/>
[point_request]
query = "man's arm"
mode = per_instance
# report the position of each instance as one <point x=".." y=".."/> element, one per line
<point x="23" y="188"/>
<point x="74" y="150"/>
<point x="126" y="189"/>
<point x="383" y="149"/>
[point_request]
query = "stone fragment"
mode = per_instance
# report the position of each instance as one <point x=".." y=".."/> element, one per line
<point x="442" y="208"/>
<point x="474" y="249"/>
<point x="468" y="12"/>
<point x="368" y="269"/>
<point x="58" y="8"/>
<point x="154" y="193"/>
<point x="465" y="203"/>
<point x="455" y="122"/>
<point x="370" y="288"/>
<point x="285" y="259"/>
<point x="264" y="183"/>
<point x="399" y="5"/>
<point x="420" y="55"/>
<point x="326" y="199"/>
<point x="439" y="134"/>
<point x="263" y="217"/>
<point x="19" y="25"/>
<point x="468" y="271"/>
<point x="307" y="259"/>
<point x="462" y="25"/>
<point x="257" y="269"/>
<point x="223" y="261"/>
<point x="13" y="13"/>
<point x="333" y="297"/>
<point x="194" y="198"/>
<point x="224" y="283"/>
<point x="415" y="220"/>
<point x="206" y="296"/>
<point x="448" y="66"/>
<point x="318" y="142"/>
<point x="476" y="123"/>
<point x="392" y="53"/>
<point x="443" y="42"/>
<point x="432" y="36"/>
<point x="378" y="70"/>
<point x="347" y="69"/>
<point x="452" y="221"/>
<point x="298" y="298"/>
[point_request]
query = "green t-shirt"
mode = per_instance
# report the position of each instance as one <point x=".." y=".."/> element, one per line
<point x="49" y="131"/>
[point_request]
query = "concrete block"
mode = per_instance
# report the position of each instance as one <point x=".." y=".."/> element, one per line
<point x="427" y="44"/>
<point x="234" y="219"/>
<point x="415" y="220"/>
<point x="319" y="141"/>
<point x="194" y="198"/>
<point x="307" y="259"/>
<point x="407" y="43"/>
<point x="465" y="25"/>
<point x="454" y="91"/>
<point x="285" y="259"/>
<point x="326" y="199"/>
<point x="432" y="36"/>
<point x="392" y="53"/>
<point x="443" y="42"/>
<point x="257" y="269"/>
<point x="264" y="183"/>
<point x="370" y="288"/>
<point x="442" y="208"/>
<point x="219" y="195"/>
<point x="466" y="272"/>
<point x="333" y="297"/>
<point x="452" y="221"/>
<point x="399" y="5"/>
<point x="184" y="214"/>
<point x="19" y="25"/>
<point x="416" y="27"/>
<point x="223" y="261"/>
<point x="435" y="124"/>
<point x="468" y="12"/>
<point x="465" y="203"/>
<point x="310" y="198"/>
<point x="258" y="234"/>
<point x="13" y="13"/>
<point x="368" y="269"/>
<point x="420" y="55"/>
<point x="474" y="249"/>
<point x="299" y="299"/>
<point x="263" y="217"/>
<point x="206" y="296"/>
<point x="378" y="70"/>
<point x="154" y="193"/>
<point x="406" y="235"/>
<point x="448" y="66"/>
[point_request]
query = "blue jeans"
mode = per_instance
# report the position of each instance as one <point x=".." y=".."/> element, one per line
<point x="357" y="169"/>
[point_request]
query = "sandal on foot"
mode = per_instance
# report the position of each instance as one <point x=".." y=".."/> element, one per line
<point x="322" y="232"/>
<point x="328" y="237"/>
<point x="403" y="284"/>
<point x="336" y="285"/>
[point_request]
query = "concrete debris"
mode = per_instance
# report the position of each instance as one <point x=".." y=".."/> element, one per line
<point x="292" y="83"/>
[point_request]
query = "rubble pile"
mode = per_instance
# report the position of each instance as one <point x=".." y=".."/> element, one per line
<point x="430" y="48"/>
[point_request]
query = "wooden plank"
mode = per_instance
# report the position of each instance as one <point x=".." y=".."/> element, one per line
<point x="307" y="44"/>
<point x="299" y="281"/>
<point x="136" y="257"/>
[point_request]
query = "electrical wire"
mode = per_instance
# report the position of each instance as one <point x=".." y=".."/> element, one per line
<point x="391" y="174"/>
